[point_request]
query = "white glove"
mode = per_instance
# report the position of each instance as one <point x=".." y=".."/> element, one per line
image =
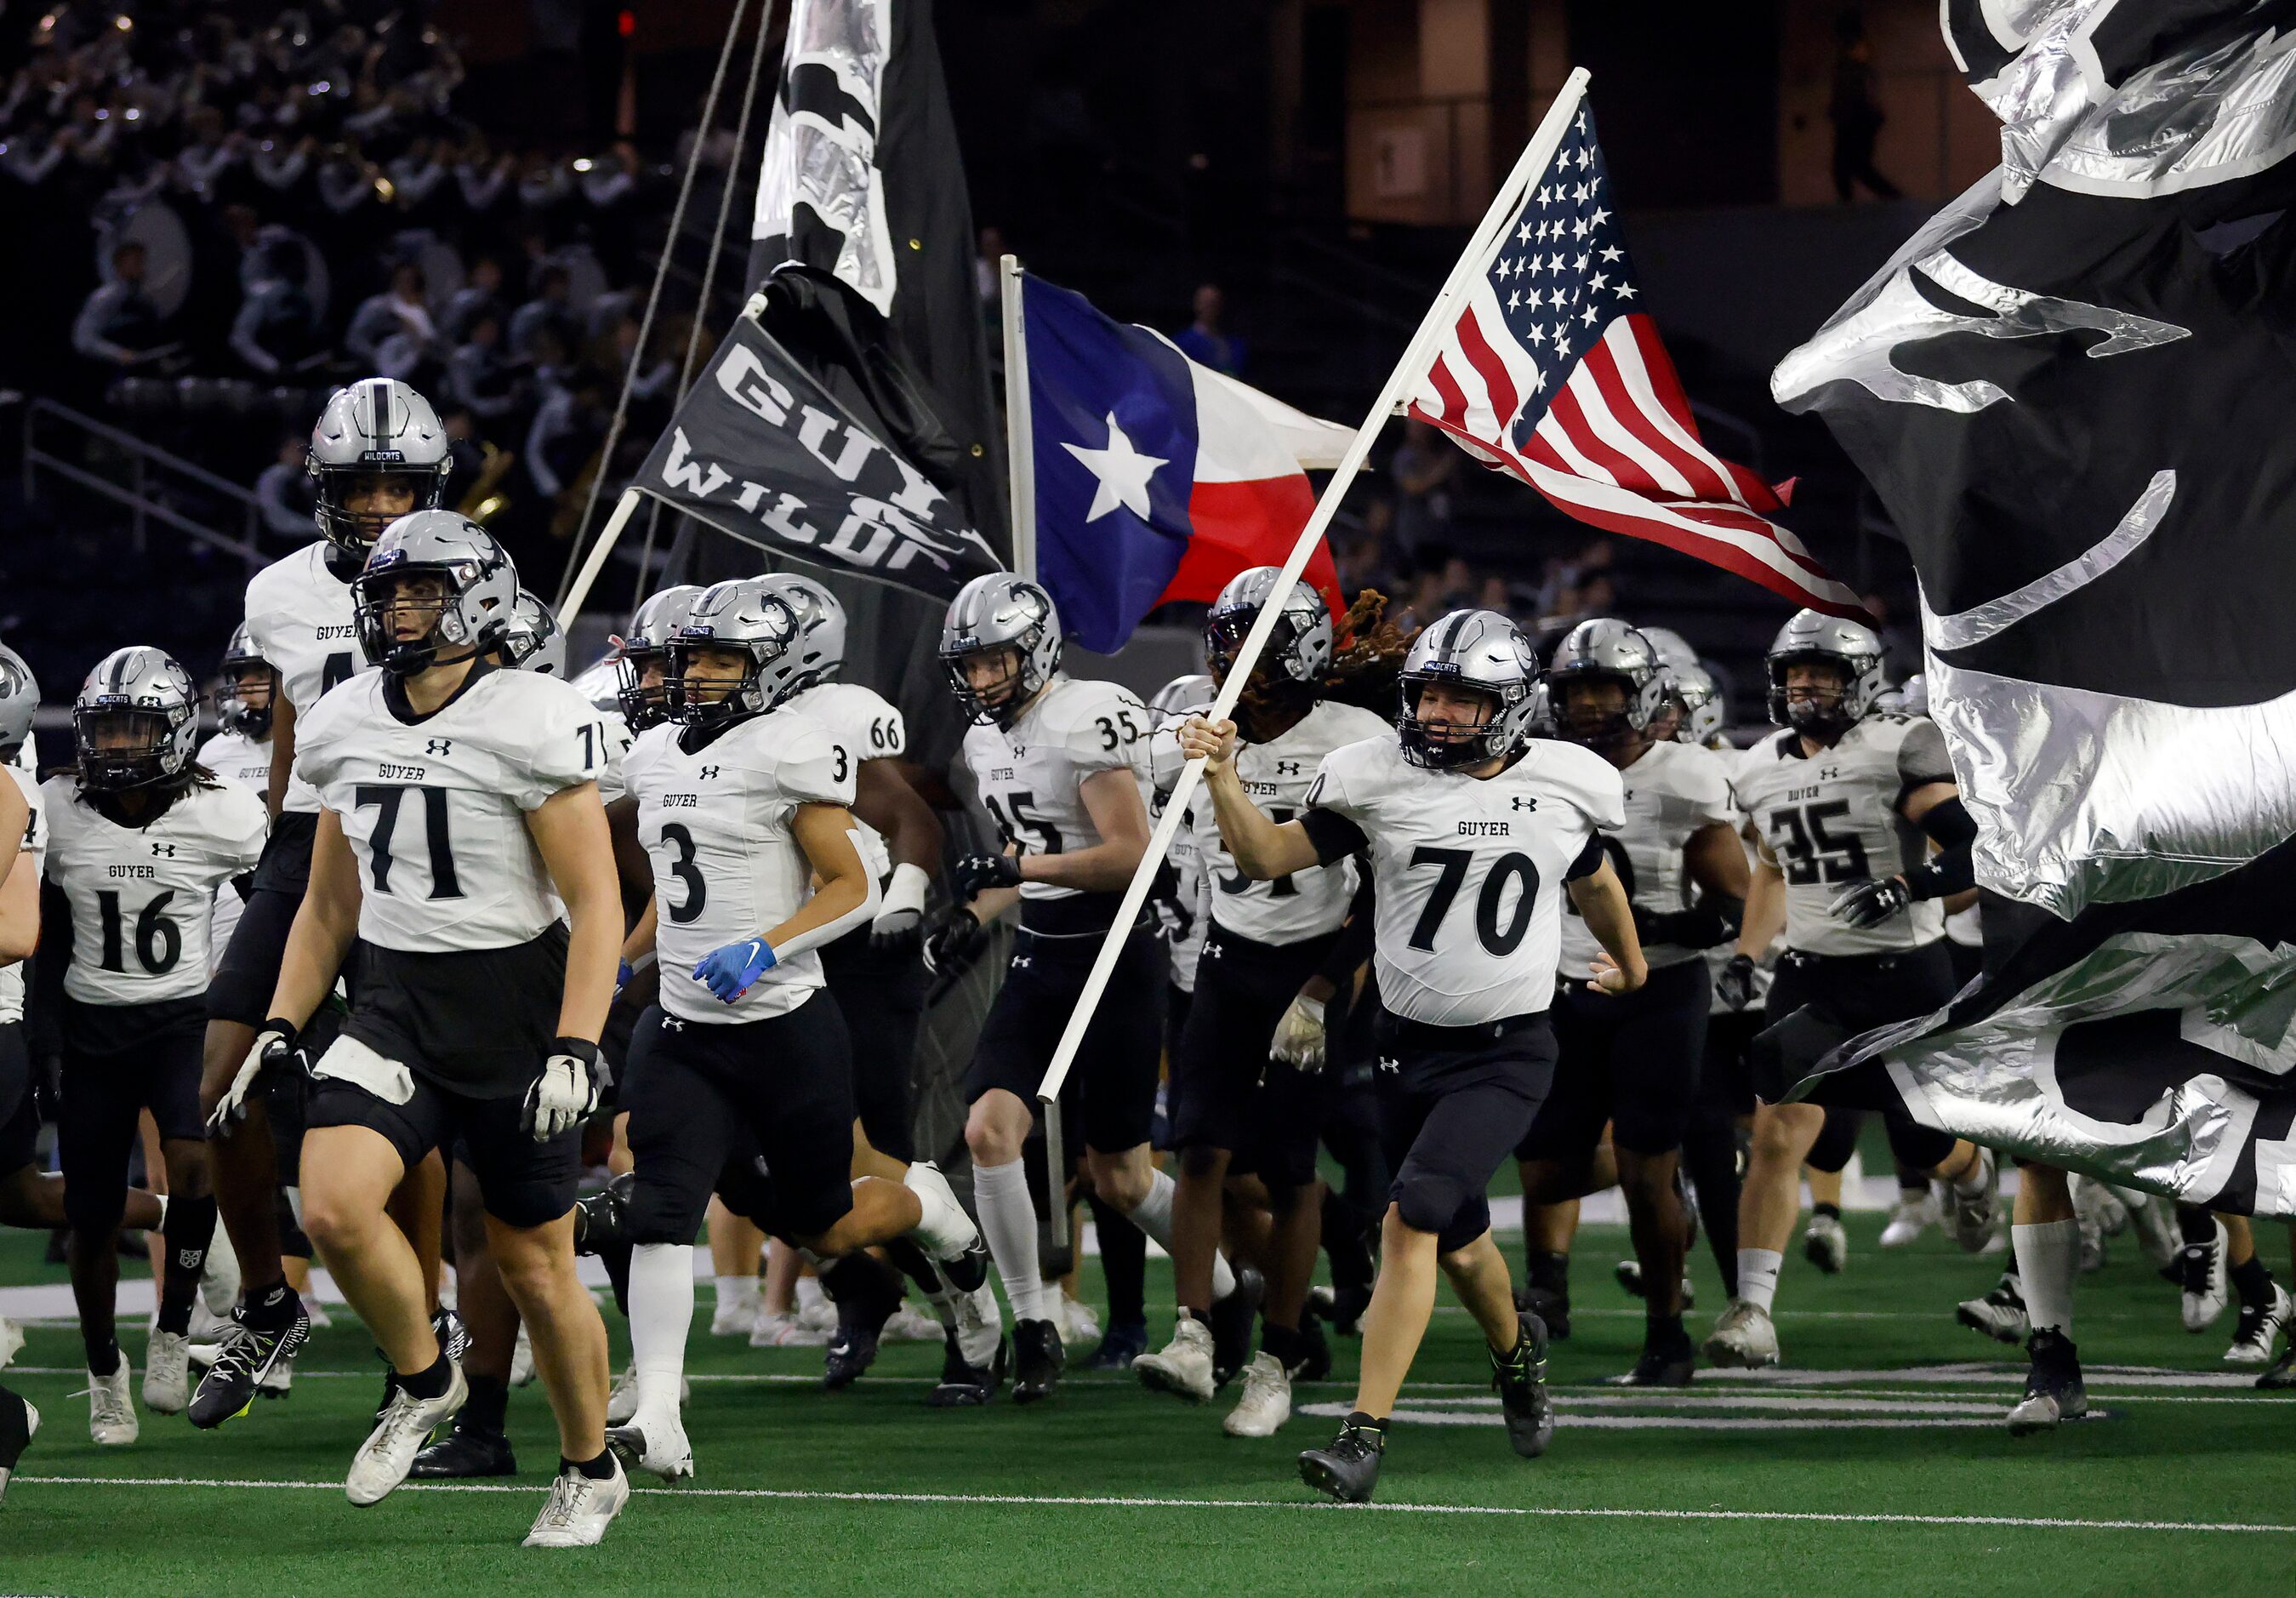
<point x="1298" y="1040"/>
<point x="272" y="1045"/>
<point x="902" y="911"/>
<point x="563" y="1096"/>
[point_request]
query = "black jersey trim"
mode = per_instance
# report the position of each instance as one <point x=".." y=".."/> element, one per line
<point x="1335" y="836"/>
<point x="395" y="700"/>
<point x="1589" y="861"/>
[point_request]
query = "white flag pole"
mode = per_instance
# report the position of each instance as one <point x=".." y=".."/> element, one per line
<point x="1020" y="438"/>
<point x="1432" y="328"/>
<point x="624" y="508"/>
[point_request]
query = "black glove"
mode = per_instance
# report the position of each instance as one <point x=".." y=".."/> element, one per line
<point x="1701" y="927"/>
<point x="1735" y="986"/>
<point x="47" y="1086"/>
<point x="977" y="873"/>
<point x="1175" y="917"/>
<point x="955" y="941"/>
<point x="1870" y="903"/>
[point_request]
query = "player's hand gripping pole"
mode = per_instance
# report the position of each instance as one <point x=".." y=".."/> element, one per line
<point x="1433" y="328"/>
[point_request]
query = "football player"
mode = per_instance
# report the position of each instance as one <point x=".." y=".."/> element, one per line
<point x="1843" y="804"/>
<point x="1061" y="763"/>
<point x="459" y="812"/>
<point x="1475" y="835"/>
<point x="742" y="804"/>
<point x="1231" y="1107"/>
<point x="1633" y="1062"/>
<point x="20" y="696"/>
<point x="140" y="836"/>
<point x="240" y="753"/>
<point x="378" y="452"/>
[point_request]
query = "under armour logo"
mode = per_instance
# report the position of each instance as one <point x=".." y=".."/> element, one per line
<point x="1213" y="950"/>
<point x="439" y="747"/>
<point x="708" y="772"/>
<point x="1828" y="773"/>
<point x="1518" y="802"/>
<point x="1021" y="962"/>
<point x="1289" y="768"/>
<point x="166" y="849"/>
<point x="672" y="1024"/>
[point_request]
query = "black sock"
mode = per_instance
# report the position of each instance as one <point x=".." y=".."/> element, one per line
<point x="1346" y="1241"/>
<point x="1359" y="1421"/>
<point x="431" y="1383"/>
<point x="1664" y="1333"/>
<point x="103" y="1354"/>
<point x="598" y="1469"/>
<point x="616" y="1258"/>
<point x="2252" y="1282"/>
<point x="2197" y="1224"/>
<point x="1286" y="1343"/>
<point x="1550" y="1273"/>
<point x="271" y="1305"/>
<point x="189" y="1228"/>
<point x="1123" y="1264"/>
<point x="488" y="1406"/>
<point x="1832" y="1211"/>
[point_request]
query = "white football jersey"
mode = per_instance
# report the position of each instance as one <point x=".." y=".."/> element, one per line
<point x="1469" y="873"/>
<point x="870" y="728"/>
<point x="1031" y="773"/>
<point x="618" y="738"/>
<point x="244" y="763"/>
<point x="1832" y="819"/>
<point x="35" y="851"/>
<point x="1278" y="776"/>
<point x="1672" y="791"/>
<point x="141" y="897"/>
<point x="435" y="806"/>
<point x="719" y="827"/>
<point x="298" y="617"/>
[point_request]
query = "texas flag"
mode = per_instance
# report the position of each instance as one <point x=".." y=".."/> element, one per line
<point x="1156" y="479"/>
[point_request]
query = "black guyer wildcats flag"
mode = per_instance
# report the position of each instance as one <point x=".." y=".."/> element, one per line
<point x="2074" y="389"/>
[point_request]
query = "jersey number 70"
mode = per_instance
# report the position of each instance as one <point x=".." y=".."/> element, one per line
<point x="1453" y="866"/>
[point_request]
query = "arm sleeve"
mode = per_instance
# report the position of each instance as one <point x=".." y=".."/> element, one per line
<point x="1952" y="869"/>
<point x="1335" y="835"/>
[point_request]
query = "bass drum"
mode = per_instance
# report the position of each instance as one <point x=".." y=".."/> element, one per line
<point x="167" y="243"/>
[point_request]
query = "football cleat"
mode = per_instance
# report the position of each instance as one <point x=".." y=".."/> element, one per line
<point x="2000" y="1314"/>
<point x="910" y="1324"/>
<point x="1520" y="1379"/>
<point x="861" y="1319"/>
<point x="464" y="1452"/>
<point x="964" y="1385"/>
<point x="1315" y="1363"/>
<point x="1629" y="1272"/>
<point x="1347" y="1466"/>
<point x="1183" y="1366"/>
<point x="111" y="1421"/>
<point x="580" y="1510"/>
<point x="1913" y="1215"/>
<point x="947" y="1234"/>
<point x="1232" y="1321"/>
<point x="168" y="1373"/>
<point x="1038" y="1359"/>
<point x="219" y="1276"/>
<point x="777" y="1331"/>
<point x="12" y="1338"/>
<point x="981" y="1327"/>
<point x="2283" y="1373"/>
<point x="317" y="1313"/>
<point x="2053" y="1391"/>
<point x="1267" y="1401"/>
<point x="1969" y="1215"/>
<point x="655" y="1444"/>
<point x="2201" y="1275"/>
<point x="1120" y="1347"/>
<point x="1661" y="1368"/>
<point x="1552" y="1308"/>
<point x="454" y="1336"/>
<point x="622" y="1399"/>
<point x="20" y="1423"/>
<point x="736" y="1316"/>
<point x="1078" y="1323"/>
<point x="1743" y="1340"/>
<point x="2261" y="1326"/>
<point x="245" y="1363"/>
<point x="388" y="1454"/>
<point x="1826" y="1244"/>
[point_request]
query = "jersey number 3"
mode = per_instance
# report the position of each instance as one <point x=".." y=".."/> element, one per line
<point x="1499" y="939"/>
<point x="386" y="798"/>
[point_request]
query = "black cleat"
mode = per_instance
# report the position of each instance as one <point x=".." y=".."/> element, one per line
<point x="1629" y="1272"/>
<point x="1348" y="1307"/>
<point x="860" y="1321"/>
<point x="1552" y="1308"/>
<point x="1119" y="1346"/>
<point x="1316" y="1362"/>
<point x="1038" y="1360"/>
<point x="1232" y="1319"/>
<point x="964" y="1386"/>
<point x="246" y="1355"/>
<point x="2283" y="1373"/>
<point x="968" y="1270"/>
<point x="19" y="1420"/>
<point x="2053" y="1390"/>
<point x="1660" y="1368"/>
<point x="1520" y="1380"/>
<point x="1347" y="1466"/>
<point x="466" y="1451"/>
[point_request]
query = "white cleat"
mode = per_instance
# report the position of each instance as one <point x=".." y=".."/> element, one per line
<point x="1183" y="1365"/>
<point x="2202" y="1268"/>
<point x="112" y="1420"/>
<point x="16" y="1434"/>
<point x="786" y="1331"/>
<point x="2259" y="1329"/>
<point x="1267" y="1401"/>
<point x="1079" y="1326"/>
<point x="1913" y="1215"/>
<point x="736" y="1316"/>
<point x="579" y="1508"/>
<point x="12" y="1338"/>
<point x="2000" y="1314"/>
<point x="389" y="1452"/>
<point x="167" y="1374"/>
<point x="910" y="1324"/>
<point x="946" y="1231"/>
<point x="1969" y="1211"/>
<point x="1743" y="1340"/>
<point x="655" y="1444"/>
<point x="1826" y="1244"/>
<point x="622" y="1402"/>
<point x="219" y="1277"/>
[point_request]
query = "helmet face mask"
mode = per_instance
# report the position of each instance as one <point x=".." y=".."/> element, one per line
<point x="436" y="581"/>
<point x="1299" y="652"/>
<point x="1815" y="691"/>
<point x="1596" y="709"/>
<point x="1606" y="686"/>
<point x="1010" y="625"/>
<point x="990" y="679"/>
<point x="135" y="722"/>
<point x="378" y="453"/>
<point x="1810" y="648"/>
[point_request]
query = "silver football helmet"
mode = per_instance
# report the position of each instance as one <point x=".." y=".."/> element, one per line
<point x="1704" y="713"/>
<point x="1480" y="650"/>
<point x="1001" y="612"/>
<point x="749" y="616"/>
<point x="645" y="654"/>
<point x="1852" y="647"/>
<point x="1673" y="648"/>
<point x="136" y="721"/>
<point x="473" y="609"/>
<point x="535" y="641"/>
<point x="250" y="718"/>
<point x="821" y="624"/>
<point x="378" y="426"/>
<point x="1181" y="693"/>
<point x="1915" y="695"/>
<point x="1606" y="650"/>
<point x="20" y="696"/>
<point x="1299" y="650"/>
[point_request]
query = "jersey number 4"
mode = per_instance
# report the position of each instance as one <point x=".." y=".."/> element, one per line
<point x="1807" y="850"/>
<point x="386" y="798"/>
<point x="1452" y="865"/>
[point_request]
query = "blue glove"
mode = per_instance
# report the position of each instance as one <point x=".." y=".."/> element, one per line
<point x="622" y="977"/>
<point x="730" y="971"/>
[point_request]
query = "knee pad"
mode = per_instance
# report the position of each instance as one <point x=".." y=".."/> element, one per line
<point x="1427" y="1202"/>
<point x="92" y="1208"/>
<point x="650" y="1212"/>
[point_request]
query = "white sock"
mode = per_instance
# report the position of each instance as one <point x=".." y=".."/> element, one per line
<point x="1757" y="1276"/>
<point x="661" y="1314"/>
<point x="1153" y="1216"/>
<point x="2048" y="1260"/>
<point x="943" y="1229"/>
<point x="733" y="1290"/>
<point x="1008" y="1216"/>
<point x="1972" y="1182"/>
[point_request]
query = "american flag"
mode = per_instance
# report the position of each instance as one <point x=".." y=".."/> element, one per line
<point x="1553" y="373"/>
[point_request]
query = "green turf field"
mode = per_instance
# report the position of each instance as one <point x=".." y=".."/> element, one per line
<point x="1877" y="1465"/>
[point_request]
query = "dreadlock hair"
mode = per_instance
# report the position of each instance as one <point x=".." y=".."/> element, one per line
<point x="1369" y="657"/>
